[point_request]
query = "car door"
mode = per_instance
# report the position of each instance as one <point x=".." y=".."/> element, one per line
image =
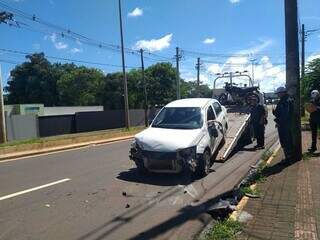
<point x="219" y="118"/>
<point x="211" y="117"/>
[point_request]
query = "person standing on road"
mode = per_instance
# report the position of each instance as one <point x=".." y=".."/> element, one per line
<point x="258" y="121"/>
<point x="314" y="109"/>
<point x="282" y="112"/>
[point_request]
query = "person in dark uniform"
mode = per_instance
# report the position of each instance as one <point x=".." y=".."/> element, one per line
<point x="258" y="121"/>
<point x="282" y="113"/>
<point x="314" y="118"/>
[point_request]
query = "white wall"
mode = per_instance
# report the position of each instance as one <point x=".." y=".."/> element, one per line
<point x="52" y="111"/>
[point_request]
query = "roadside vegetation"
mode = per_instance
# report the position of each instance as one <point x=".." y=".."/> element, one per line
<point x="224" y="230"/>
<point x="105" y="134"/>
<point x="228" y="229"/>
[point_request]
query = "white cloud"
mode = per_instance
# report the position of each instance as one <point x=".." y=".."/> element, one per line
<point x="313" y="57"/>
<point x="78" y="42"/>
<point x="214" y="68"/>
<point x="234" y="1"/>
<point x="136" y="12"/>
<point x="60" y="45"/>
<point x="76" y="50"/>
<point x="57" y="44"/>
<point x="154" y="45"/>
<point x="209" y="40"/>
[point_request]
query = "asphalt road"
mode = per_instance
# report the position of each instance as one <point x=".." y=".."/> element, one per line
<point x="96" y="193"/>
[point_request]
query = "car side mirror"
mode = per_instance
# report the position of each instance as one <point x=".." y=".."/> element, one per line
<point x="213" y="131"/>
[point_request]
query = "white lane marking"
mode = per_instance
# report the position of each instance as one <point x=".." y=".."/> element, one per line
<point x="33" y="189"/>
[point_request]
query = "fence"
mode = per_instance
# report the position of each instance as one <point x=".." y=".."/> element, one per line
<point x="31" y="126"/>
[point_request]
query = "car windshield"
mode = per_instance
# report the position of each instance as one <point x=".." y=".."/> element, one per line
<point x="179" y="118"/>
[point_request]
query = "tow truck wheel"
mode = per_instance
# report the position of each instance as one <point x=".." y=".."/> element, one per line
<point x="204" y="165"/>
<point x="140" y="167"/>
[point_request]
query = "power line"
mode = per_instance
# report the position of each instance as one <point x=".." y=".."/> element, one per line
<point x="65" y="59"/>
<point x="68" y="33"/>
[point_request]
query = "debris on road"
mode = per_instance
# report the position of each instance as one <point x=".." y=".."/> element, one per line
<point x="127" y="206"/>
<point x="124" y="194"/>
<point x="47" y="205"/>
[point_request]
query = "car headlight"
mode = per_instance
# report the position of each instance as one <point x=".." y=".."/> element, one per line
<point x="134" y="144"/>
<point x="188" y="152"/>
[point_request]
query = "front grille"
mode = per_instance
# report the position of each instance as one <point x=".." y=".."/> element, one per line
<point x="160" y="155"/>
<point x="160" y="160"/>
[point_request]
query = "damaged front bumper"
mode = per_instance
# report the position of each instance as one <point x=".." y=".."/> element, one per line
<point x="166" y="162"/>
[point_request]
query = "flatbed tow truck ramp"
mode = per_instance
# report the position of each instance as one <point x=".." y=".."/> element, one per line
<point x="238" y="130"/>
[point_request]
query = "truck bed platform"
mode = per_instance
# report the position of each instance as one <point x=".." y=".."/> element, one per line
<point x="239" y="119"/>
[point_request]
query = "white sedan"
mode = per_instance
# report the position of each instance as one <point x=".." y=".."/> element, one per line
<point x="185" y="134"/>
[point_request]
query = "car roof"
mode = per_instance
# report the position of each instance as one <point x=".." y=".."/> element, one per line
<point x="191" y="102"/>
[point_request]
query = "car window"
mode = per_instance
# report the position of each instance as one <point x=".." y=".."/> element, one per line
<point x="179" y="118"/>
<point x="217" y="108"/>
<point x="210" y="114"/>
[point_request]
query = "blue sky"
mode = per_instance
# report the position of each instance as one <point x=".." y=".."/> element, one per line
<point x="230" y="27"/>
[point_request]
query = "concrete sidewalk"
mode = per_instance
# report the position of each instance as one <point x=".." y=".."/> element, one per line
<point x="289" y="207"/>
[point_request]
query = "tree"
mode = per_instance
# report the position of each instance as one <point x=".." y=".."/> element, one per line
<point x="311" y="80"/>
<point x="33" y="82"/>
<point x="80" y="86"/>
<point x="161" y="83"/>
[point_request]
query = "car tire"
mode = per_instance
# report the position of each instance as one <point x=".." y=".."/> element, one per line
<point x="203" y="168"/>
<point x="140" y="167"/>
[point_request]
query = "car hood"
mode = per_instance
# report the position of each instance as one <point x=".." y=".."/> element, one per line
<point x="168" y="140"/>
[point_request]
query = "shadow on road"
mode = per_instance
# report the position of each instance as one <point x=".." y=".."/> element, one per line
<point x="132" y="175"/>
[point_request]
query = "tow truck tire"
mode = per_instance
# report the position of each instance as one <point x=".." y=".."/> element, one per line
<point x="141" y="168"/>
<point x="203" y="168"/>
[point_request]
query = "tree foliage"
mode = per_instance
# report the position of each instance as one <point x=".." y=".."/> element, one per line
<point x="39" y="81"/>
<point x="311" y="80"/>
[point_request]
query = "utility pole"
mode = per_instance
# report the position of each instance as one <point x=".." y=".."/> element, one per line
<point x="144" y="91"/>
<point x="3" y="135"/>
<point x="303" y="51"/>
<point x="198" y="76"/>
<point x="125" y="85"/>
<point x="252" y="68"/>
<point x="292" y="71"/>
<point x="178" y="56"/>
<point x="303" y="63"/>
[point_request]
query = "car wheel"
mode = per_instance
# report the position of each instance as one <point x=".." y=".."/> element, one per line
<point x="140" y="167"/>
<point x="203" y="168"/>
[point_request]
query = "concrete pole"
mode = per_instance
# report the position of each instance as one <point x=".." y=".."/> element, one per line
<point x="3" y="135"/>
<point x="292" y="71"/>
<point x="125" y="85"/>
<point x="144" y="90"/>
<point x="178" y="72"/>
<point x="303" y="63"/>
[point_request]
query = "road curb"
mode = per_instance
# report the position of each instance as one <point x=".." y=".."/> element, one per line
<point x="244" y="200"/>
<point x="37" y="152"/>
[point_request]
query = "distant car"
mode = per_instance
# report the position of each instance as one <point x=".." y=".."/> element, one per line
<point x="185" y="134"/>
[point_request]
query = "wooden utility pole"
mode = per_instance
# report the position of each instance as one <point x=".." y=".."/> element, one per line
<point x="125" y="85"/>
<point x="178" y="56"/>
<point x="292" y="71"/>
<point x="3" y="135"/>
<point x="144" y="90"/>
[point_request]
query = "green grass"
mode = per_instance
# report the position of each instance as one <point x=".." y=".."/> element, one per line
<point x="110" y="132"/>
<point x="224" y="230"/>
<point x="248" y="190"/>
<point x="266" y="155"/>
<point x="306" y="156"/>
